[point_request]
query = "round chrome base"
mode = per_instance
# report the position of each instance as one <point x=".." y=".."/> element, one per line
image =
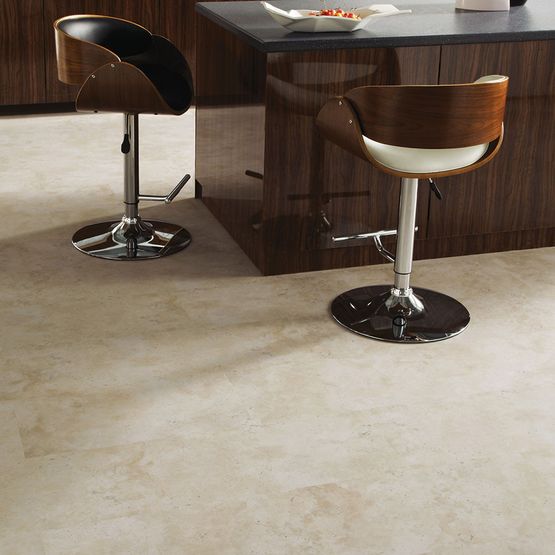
<point x="380" y="312"/>
<point x="131" y="239"/>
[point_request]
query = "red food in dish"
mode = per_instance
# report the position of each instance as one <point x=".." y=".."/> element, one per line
<point x="337" y="12"/>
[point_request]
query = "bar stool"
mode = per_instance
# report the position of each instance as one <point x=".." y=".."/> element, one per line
<point x="413" y="132"/>
<point x="122" y="67"/>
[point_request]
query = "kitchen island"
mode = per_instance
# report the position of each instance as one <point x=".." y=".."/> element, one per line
<point x="284" y="193"/>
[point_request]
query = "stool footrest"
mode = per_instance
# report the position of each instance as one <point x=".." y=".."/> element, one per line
<point x="369" y="235"/>
<point x="170" y="196"/>
<point x="376" y="236"/>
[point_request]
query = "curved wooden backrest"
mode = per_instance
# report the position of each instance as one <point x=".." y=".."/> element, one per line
<point x="86" y="42"/>
<point x="437" y="116"/>
<point x="124" y="88"/>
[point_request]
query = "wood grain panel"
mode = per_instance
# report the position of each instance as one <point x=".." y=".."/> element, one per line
<point x="144" y="12"/>
<point x="21" y="52"/>
<point x="439" y="247"/>
<point x="516" y="190"/>
<point x="178" y="24"/>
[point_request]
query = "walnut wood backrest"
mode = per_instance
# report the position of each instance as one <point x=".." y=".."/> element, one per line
<point x="86" y="42"/>
<point x="437" y="116"/>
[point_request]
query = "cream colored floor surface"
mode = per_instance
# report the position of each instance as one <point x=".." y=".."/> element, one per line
<point x="190" y="406"/>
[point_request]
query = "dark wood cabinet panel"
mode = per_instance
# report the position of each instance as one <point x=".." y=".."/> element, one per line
<point x="314" y="190"/>
<point x="21" y="52"/>
<point x="517" y="190"/>
<point x="177" y="23"/>
<point x="257" y="112"/>
<point x="144" y="12"/>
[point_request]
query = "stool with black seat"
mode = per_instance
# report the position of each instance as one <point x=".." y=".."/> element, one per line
<point x="122" y="67"/>
<point x="413" y="132"/>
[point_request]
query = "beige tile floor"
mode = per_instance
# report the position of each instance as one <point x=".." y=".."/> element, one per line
<point x="190" y="406"/>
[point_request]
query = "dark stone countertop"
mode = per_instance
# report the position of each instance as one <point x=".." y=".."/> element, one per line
<point x="431" y="22"/>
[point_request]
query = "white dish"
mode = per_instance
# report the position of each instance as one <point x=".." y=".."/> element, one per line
<point x="302" y="21"/>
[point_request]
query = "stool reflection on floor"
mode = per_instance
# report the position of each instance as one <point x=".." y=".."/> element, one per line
<point x="122" y="67"/>
<point x="412" y="132"/>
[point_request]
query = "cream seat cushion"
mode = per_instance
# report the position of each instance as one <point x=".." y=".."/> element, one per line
<point x="424" y="160"/>
<point x="427" y="160"/>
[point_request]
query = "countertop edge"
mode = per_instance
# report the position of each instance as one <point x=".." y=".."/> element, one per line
<point x="250" y="39"/>
<point x="310" y="44"/>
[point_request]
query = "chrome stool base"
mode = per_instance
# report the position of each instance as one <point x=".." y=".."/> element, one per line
<point x="382" y="313"/>
<point x="131" y="239"/>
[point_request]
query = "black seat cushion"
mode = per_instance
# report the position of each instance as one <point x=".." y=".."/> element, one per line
<point x="174" y="88"/>
<point x="155" y="56"/>
<point x="166" y="68"/>
<point x="121" y="37"/>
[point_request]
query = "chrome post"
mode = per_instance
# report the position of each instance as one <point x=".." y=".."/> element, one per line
<point x="131" y="166"/>
<point x="405" y="236"/>
<point x="132" y="238"/>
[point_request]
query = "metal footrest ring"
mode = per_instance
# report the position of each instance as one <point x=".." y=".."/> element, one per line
<point x="415" y="316"/>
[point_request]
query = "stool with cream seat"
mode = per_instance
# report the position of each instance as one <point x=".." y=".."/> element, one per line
<point x="122" y="67"/>
<point x="413" y="132"/>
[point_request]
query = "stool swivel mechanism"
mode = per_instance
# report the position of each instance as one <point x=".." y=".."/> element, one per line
<point x="412" y="132"/>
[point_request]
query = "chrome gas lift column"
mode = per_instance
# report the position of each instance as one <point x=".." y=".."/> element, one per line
<point x="400" y="314"/>
<point x="132" y="238"/>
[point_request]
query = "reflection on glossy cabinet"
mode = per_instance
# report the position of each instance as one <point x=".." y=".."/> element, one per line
<point x="283" y="193"/>
<point x="21" y="52"/>
<point x="315" y="189"/>
<point x="265" y="172"/>
<point x="144" y="12"/>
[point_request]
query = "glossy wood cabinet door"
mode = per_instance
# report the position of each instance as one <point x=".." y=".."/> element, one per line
<point x="314" y="190"/>
<point x="21" y="52"/>
<point x="177" y="23"/>
<point x="144" y="12"/>
<point x="515" y="192"/>
<point x="284" y="194"/>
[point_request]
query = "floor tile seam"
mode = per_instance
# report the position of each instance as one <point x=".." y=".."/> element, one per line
<point x="176" y="441"/>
